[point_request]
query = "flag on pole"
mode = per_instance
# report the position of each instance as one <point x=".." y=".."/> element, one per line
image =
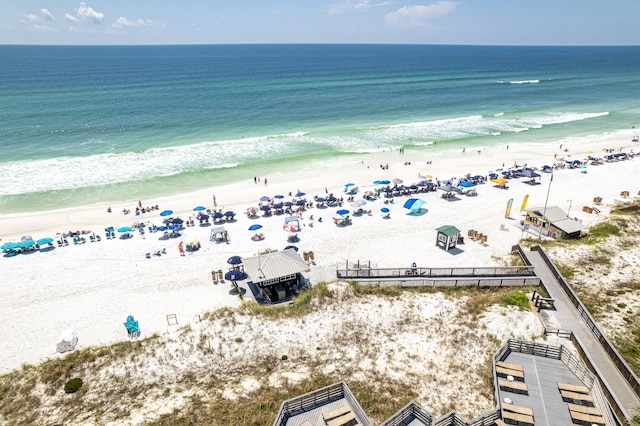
<point x="507" y="213"/>
<point x="524" y="202"/>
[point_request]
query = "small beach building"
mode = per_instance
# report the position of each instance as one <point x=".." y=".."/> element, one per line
<point x="552" y="222"/>
<point x="275" y="273"/>
<point x="447" y="237"/>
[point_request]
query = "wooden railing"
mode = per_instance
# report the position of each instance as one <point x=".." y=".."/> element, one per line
<point x="615" y="356"/>
<point x="408" y="413"/>
<point x="315" y="399"/>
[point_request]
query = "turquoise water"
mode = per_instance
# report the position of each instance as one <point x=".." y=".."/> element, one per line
<point x="82" y="125"/>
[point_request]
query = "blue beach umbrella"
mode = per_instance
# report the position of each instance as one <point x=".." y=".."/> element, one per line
<point x="46" y="240"/>
<point x="292" y="248"/>
<point x="342" y="212"/>
<point x="166" y="213"/>
<point x="27" y="243"/>
<point x="9" y="246"/>
<point x="234" y="275"/>
<point x="384" y="210"/>
<point x="173" y="227"/>
<point x="162" y="228"/>
<point x="300" y="194"/>
<point x="124" y="229"/>
<point x="377" y="182"/>
<point x="265" y="198"/>
<point x="199" y="208"/>
<point x="384" y="182"/>
<point x="255" y="227"/>
<point x="234" y="260"/>
<point x="350" y="184"/>
<point x="279" y="197"/>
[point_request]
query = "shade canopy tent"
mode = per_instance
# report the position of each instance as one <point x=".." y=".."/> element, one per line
<point x="414" y="205"/>
<point x="67" y="341"/>
<point x="450" y="188"/>
<point x="219" y="233"/>
<point x="447" y="237"/>
<point x="271" y="269"/>
<point x="530" y="173"/>
<point x="291" y="224"/>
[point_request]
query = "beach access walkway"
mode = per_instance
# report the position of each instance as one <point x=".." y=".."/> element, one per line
<point x="572" y="316"/>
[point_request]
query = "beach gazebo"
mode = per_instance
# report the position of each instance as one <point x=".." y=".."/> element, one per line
<point x="447" y="237"/>
<point x="276" y="273"/>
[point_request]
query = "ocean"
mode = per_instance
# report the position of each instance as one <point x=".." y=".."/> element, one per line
<point x="102" y="124"/>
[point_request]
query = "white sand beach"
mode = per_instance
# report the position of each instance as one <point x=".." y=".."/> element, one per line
<point x="92" y="287"/>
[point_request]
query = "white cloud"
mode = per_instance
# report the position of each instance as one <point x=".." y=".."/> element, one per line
<point x="418" y="15"/>
<point x="44" y="28"/>
<point x="71" y="18"/>
<point x="349" y="6"/>
<point x="87" y="13"/>
<point x="46" y="14"/>
<point x="32" y="18"/>
<point x="124" y="22"/>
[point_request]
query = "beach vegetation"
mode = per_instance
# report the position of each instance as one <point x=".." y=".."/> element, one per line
<point x="516" y="298"/>
<point x="133" y="374"/>
<point x="73" y="385"/>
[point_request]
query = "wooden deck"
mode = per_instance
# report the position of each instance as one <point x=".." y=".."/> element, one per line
<point x="543" y="397"/>
<point x="573" y="318"/>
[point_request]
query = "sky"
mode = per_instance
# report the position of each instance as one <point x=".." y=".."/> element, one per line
<point x="477" y="22"/>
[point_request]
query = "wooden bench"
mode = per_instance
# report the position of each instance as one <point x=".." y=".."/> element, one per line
<point x="573" y="388"/>
<point x="509" y="366"/>
<point x="576" y="396"/>
<point x="328" y="415"/>
<point x="517" y="409"/>
<point x="508" y="372"/>
<point x="517" y="386"/>
<point x="588" y="418"/>
<point x="518" y="418"/>
<point x="584" y="409"/>
<point x="499" y="422"/>
<point x="342" y="420"/>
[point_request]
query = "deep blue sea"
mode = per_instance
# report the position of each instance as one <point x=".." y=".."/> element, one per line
<point x="82" y="125"/>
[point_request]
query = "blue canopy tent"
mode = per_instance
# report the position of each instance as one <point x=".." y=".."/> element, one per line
<point x="414" y="205"/>
<point x="132" y="327"/>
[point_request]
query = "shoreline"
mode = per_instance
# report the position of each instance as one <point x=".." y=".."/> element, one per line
<point x="93" y="287"/>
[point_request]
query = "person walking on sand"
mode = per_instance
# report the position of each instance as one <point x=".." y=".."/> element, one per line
<point x="214" y="202"/>
<point x="181" y="248"/>
<point x="265" y="181"/>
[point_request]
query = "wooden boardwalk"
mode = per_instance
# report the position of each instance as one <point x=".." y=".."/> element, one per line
<point x="571" y="319"/>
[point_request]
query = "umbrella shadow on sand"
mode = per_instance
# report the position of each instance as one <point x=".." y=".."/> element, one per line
<point x="420" y="212"/>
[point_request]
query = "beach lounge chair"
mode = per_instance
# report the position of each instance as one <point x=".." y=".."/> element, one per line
<point x="92" y="238"/>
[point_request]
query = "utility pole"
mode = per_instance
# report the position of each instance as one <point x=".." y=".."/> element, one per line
<point x="544" y="212"/>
